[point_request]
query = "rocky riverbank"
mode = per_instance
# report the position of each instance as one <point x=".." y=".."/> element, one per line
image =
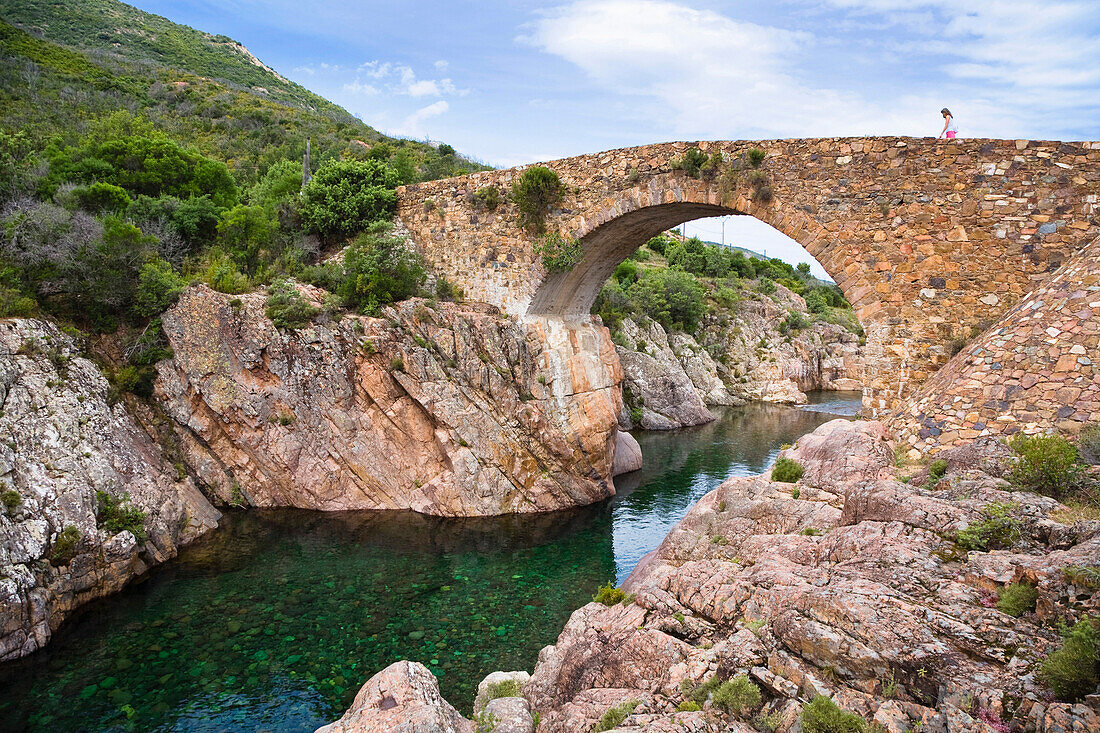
<point x="748" y="352"/>
<point x="89" y="500"/>
<point x="857" y="583"/>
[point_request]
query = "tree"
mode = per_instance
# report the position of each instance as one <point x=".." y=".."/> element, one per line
<point x="158" y="288"/>
<point x="279" y="186"/>
<point x="379" y="269"/>
<point x="345" y="197"/>
<point x="244" y="232"/>
<point x="804" y="268"/>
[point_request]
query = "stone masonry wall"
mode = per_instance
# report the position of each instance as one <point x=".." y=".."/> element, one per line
<point x="931" y="240"/>
<point x="1036" y="369"/>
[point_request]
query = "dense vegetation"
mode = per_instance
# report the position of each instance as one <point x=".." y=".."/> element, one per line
<point x="137" y="156"/>
<point x="678" y="282"/>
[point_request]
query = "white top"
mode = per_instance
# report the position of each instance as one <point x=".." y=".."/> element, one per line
<point x="951" y="124"/>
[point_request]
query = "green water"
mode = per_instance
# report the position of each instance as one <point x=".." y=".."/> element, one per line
<point x="273" y="622"/>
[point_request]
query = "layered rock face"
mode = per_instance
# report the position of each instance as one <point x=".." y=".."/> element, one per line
<point x="671" y="379"/>
<point x="452" y="410"/>
<point x="849" y="590"/>
<point x="62" y="443"/>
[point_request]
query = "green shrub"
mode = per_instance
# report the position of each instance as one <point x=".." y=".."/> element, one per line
<point x="245" y="232"/>
<point x="1016" y="599"/>
<point x="11" y="499"/>
<point x="673" y="298"/>
<point x="221" y="274"/>
<point x="756" y="157"/>
<point x="692" y="163"/>
<point x="1048" y="465"/>
<point x="609" y="595"/>
<point x="937" y="469"/>
<point x="765" y="286"/>
<point x="636" y="415"/>
<point x="397" y="364"/>
<point x="787" y="470"/>
<point x="118" y="515"/>
<point x="447" y="290"/>
<point x="504" y="688"/>
<point x="738" y="696"/>
<point x="558" y="253"/>
<point x="537" y="190"/>
<point x="345" y="197"/>
<point x="616" y="715"/>
<point x="1088" y="444"/>
<point x="1073" y="670"/>
<point x="100" y="197"/>
<point x="158" y="287"/>
<point x="489" y="197"/>
<point x="658" y="244"/>
<point x="379" y="269"/>
<point x="688" y="706"/>
<point x="286" y="308"/>
<point x="65" y="545"/>
<point x="998" y="529"/>
<point x="816" y="302"/>
<point x="822" y="715"/>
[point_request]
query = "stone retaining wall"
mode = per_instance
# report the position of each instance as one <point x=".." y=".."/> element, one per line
<point x="1033" y="371"/>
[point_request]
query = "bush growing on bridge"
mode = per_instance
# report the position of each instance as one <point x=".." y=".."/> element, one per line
<point x="537" y="190"/>
<point x="558" y="253"/>
<point x="692" y="162"/>
<point x="488" y="196"/>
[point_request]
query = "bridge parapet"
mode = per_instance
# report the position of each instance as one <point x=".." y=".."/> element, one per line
<point x="931" y="241"/>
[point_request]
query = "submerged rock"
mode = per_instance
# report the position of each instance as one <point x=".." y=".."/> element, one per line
<point x="452" y="410"/>
<point x="63" y="442"/>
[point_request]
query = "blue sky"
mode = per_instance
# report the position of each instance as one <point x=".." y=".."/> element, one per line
<point x="517" y="82"/>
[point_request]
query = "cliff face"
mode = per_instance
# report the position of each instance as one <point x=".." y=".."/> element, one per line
<point x="453" y="410"/>
<point x="671" y="378"/>
<point x="61" y="444"/>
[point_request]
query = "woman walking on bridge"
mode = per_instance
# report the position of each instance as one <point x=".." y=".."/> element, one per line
<point x="949" y="128"/>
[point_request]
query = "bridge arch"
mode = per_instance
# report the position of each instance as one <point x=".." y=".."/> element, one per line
<point x="635" y="215"/>
<point x="929" y="240"/>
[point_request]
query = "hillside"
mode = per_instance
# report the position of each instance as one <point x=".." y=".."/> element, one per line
<point x="67" y="63"/>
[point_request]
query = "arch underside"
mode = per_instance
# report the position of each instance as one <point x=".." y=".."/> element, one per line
<point x="572" y="293"/>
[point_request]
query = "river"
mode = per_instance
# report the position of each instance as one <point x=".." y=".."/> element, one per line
<point x="273" y="621"/>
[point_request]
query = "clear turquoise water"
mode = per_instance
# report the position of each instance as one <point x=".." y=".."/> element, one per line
<point x="276" y="619"/>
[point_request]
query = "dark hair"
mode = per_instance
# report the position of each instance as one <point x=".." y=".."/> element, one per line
<point x="946" y="111"/>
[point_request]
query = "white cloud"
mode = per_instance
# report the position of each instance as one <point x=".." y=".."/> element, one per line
<point x="716" y="77"/>
<point x="441" y="65"/>
<point x="304" y="70"/>
<point x="1002" y="67"/>
<point x="357" y="87"/>
<point x="401" y="79"/>
<point x="413" y="125"/>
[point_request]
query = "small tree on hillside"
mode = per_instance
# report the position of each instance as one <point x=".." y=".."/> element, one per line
<point x="345" y="197"/>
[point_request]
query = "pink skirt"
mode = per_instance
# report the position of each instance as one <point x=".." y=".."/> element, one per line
<point x="950" y="134"/>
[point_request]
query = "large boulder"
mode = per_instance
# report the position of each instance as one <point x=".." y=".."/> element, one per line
<point x="656" y="381"/>
<point x="402" y="698"/>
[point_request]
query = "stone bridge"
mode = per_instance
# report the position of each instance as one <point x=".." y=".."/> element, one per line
<point x="930" y="240"/>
